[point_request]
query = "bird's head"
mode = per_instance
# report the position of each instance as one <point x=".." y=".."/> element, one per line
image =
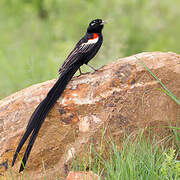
<point x="96" y="26"/>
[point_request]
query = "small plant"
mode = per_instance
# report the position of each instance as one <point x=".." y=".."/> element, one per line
<point x="170" y="167"/>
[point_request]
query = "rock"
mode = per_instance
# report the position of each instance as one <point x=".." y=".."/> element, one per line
<point x="122" y="96"/>
<point x="82" y="176"/>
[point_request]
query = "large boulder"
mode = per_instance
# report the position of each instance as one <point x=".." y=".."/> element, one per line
<point x="122" y="95"/>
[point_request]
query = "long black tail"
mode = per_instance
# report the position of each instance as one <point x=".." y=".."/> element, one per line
<point x="41" y="112"/>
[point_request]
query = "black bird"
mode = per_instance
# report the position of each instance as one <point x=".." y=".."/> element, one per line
<point x="83" y="52"/>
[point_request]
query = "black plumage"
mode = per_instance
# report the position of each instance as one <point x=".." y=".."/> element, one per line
<point x="83" y="52"/>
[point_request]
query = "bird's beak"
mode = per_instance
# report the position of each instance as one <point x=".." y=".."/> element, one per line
<point x="103" y="22"/>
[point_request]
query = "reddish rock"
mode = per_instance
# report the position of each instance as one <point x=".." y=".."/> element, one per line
<point x="121" y="95"/>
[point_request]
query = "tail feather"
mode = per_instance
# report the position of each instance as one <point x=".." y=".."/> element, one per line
<point x="41" y="112"/>
<point x="29" y="147"/>
<point x="24" y="138"/>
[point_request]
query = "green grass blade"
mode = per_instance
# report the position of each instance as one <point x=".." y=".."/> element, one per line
<point x="166" y="90"/>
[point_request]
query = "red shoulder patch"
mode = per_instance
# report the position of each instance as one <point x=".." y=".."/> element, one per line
<point x="94" y="36"/>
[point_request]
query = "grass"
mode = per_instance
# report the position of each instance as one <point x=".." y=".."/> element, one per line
<point x="141" y="158"/>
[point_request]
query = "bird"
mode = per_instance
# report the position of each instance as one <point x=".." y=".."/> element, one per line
<point x="83" y="52"/>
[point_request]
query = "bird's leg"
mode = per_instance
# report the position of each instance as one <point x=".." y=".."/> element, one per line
<point x="91" y="67"/>
<point x="80" y="72"/>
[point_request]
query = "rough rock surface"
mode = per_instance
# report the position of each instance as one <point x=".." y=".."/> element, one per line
<point x="121" y="95"/>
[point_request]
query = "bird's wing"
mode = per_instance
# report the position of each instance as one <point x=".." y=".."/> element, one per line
<point x="83" y="46"/>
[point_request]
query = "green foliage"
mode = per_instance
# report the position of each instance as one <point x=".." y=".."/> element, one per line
<point x="170" y="167"/>
<point x="139" y="159"/>
<point x="37" y="35"/>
